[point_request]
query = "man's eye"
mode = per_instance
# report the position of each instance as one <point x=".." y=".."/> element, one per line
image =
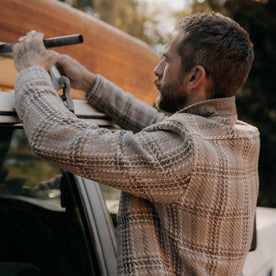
<point x="165" y="60"/>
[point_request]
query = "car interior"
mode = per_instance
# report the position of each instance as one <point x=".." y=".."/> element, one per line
<point x="41" y="226"/>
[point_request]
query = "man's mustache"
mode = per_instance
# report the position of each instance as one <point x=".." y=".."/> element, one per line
<point x="157" y="83"/>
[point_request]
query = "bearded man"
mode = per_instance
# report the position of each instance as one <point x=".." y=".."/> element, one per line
<point x="189" y="181"/>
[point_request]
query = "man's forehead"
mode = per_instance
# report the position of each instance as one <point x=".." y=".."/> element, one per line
<point x="174" y="41"/>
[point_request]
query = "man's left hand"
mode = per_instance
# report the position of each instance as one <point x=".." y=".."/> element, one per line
<point x="30" y="51"/>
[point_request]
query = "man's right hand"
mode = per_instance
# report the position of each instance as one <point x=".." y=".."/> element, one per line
<point x="80" y="77"/>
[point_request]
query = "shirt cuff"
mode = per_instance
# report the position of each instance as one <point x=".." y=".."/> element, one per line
<point x="32" y="73"/>
<point x="99" y="94"/>
<point x="30" y="82"/>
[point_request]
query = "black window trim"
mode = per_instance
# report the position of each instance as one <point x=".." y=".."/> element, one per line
<point x="100" y="224"/>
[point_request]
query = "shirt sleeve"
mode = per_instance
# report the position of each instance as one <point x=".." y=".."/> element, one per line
<point x="125" y="110"/>
<point x="155" y="163"/>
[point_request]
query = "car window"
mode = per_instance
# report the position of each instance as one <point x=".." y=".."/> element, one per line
<point x="41" y="229"/>
<point x="112" y="198"/>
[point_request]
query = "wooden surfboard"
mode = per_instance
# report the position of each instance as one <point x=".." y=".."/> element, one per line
<point x="121" y="58"/>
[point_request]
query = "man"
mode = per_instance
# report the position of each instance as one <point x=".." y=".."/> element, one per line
<point x="189" y="181"/>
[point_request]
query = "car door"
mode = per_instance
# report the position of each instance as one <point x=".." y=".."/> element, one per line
<point x="51" y="222"/>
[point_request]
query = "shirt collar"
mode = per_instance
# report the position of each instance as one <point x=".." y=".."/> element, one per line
<point x="220" y="109"/>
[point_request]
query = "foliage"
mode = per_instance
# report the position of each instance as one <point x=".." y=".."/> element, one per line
<point x="21" y="161"/>
<point x="257" y="101"/>
<point x="129" y="16"/>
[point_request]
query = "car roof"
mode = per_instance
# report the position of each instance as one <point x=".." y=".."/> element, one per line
<point x="82" y="110"/>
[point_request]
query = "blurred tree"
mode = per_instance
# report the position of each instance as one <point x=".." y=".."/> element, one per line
<point x="257" y="100"/>
<point x="130" y="16"/>
<point x="83" y="5"/>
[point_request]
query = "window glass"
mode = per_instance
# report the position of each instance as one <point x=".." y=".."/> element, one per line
<point x="112" y="198"/>
<point x="41" y="232"/>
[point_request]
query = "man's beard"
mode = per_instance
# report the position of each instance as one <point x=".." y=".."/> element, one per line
<point x="167" y="99"/>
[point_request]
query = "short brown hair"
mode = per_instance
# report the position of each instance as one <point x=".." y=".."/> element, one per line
<point x="221" y="46"/>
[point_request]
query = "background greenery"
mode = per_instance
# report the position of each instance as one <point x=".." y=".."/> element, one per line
<point x="256" y="101"/>
<point x="21" y="164"/>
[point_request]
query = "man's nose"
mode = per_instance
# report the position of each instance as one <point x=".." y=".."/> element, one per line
<point x="159" y="69"/>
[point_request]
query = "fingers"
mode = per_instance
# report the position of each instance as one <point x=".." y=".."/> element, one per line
<point x="66" y="62"/>
<point x="54" y="53"/>
<point x="65" y="59"/>
<point x="30" y="38"/>
<point x="30" y="51"/>
<point x="21" y="38"/>
<point x="50" y="60"/>
<point x="35" y="37"/>
<point x="52" y="57"/>
<point x="34" y="34"/>
<point x="30" y="34"/>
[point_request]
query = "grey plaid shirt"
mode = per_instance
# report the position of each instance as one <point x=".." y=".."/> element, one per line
<point x="189" y="181"/>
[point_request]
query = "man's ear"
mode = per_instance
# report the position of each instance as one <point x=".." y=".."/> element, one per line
<point x="195" y="77"/>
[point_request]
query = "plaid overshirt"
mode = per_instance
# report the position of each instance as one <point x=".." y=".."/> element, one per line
<point x="189" y="182"/>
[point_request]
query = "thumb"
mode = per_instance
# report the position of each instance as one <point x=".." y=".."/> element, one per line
<point x="51" y="59"/>
<point x="64" y="63"/>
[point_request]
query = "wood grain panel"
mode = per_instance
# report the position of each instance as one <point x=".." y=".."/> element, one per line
<point x="124" y="60"/>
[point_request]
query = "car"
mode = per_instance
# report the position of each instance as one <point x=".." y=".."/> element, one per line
<point x="262" y="260"/>
<point x="51" y="222"/>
